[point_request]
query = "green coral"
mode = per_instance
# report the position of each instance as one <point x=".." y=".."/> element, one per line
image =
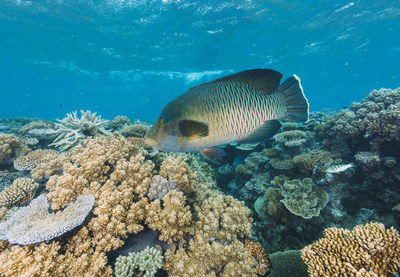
<point x="303" y="198"/>
<point x="287" y="263"/>
<point x="144" y="263"/>
<point x="288" y="126"/>
<point x="306" y="162"/>
<point x="282" y="164"/>
<point x="134" y="130"/>
<point x="271" y="152"/>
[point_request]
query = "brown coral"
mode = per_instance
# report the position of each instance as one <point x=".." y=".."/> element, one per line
<point x="223" y="217"/>
<point x="34" y="158"/>
<point x="255" y="250"/>
<point x="10" y="148"/>
<point x="204" y="258"/>
<point x="173" y="220"/>
<point x="367" y="250"/>
<point x="19" y="193"/>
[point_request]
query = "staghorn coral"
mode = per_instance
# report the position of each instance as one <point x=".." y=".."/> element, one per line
<point x="144" y="263"/>
<point x="21" y="191"/>
<point x="10" y="148"/>
<point x="72" y="130"/>
<point x="34" y="223"/>
<point x="223" y="217"/>
<point x="34" y="158"/>
<point x="176" y="169"/>
<point x="378" y="115"/>
<point x="172" y="221"/>
<point x="367" y="250"/>
<point x="159" y="187"/>
<point x="204" y="258"/>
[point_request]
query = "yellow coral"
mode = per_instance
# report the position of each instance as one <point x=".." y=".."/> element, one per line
<point x="177" y="170"/>
<point x="19" y="193"/>
<point x="173" y="220"/>
<point x="367" y="250"/>
<point x="206" y="259"/>
<point x="223" y="217"/>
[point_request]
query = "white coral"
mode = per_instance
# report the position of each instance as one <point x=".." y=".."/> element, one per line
<point x="34" y="223"/>
<point x="72" y="130"/>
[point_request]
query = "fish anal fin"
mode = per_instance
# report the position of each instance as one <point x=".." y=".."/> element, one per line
<point x="263" y="80"/>
<point x="193" y="129"/>
<point x="264" y="132"/>
<point x="213" y="154"/>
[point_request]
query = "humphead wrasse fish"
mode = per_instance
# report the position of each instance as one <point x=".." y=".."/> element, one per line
<point x="244" y="107"/>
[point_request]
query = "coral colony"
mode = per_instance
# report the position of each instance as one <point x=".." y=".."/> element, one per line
<point x="86" y="197"/>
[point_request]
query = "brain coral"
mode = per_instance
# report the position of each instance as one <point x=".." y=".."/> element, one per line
<point x="367" y="250"/>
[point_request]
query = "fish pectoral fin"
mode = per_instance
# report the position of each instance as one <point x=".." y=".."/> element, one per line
<point x="214" y="154"/>
<point x="263" y="80"/>
<point x="264" y="132"/>
<point x="193" y="129"/>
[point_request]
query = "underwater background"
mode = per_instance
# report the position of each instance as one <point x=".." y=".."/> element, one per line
<point x="82" y="193"/>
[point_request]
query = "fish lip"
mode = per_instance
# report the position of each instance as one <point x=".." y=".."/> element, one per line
<point x="150" y="142"/>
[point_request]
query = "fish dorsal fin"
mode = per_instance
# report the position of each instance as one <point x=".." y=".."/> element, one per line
<point x="193" y="129"/>
<point x="263" y="80"/>
<point x="264" y="132"/>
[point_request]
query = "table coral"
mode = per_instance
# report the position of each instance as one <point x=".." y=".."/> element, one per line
<point x="223" y="217"/>
<point x="19" y="193"/>
<point x="34" y="158"/>
<point x="367" y="250"/>
<point x="72" y="130"/>
<point x="173" y="220"/>
<point x="34" y="223"/>
<point x="292" y="138"/>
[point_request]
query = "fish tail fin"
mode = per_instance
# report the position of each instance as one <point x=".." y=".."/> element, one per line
<point x="296" y="102"/>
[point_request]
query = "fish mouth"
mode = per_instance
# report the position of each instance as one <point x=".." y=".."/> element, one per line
<point x="150" y="142"/>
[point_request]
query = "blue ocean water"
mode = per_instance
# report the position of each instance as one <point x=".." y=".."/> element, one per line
<point x="127" y="57"/>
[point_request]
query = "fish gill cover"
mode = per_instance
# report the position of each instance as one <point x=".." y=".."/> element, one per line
<point x="82" y="194"/>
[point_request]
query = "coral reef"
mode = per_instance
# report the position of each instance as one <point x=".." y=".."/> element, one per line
<point x="119" y="122"/>
<point x="287" y="263"/>
<point x="144" y="263"/>
<point x="134" y="130"/>
<point x="367" y="250"/>
<point x="255" y="249"/>
<point x="34" y="158"/>
<point x="292" y="138"/>
<point x="21" y="191"/>
<point x="33" y="223"/>
<point x="72" y="130"/>
<point x="173" y="220"/>
<point x="159" y="187"/>
<point x="10" y="148"/>
<point x="301" y="197"/>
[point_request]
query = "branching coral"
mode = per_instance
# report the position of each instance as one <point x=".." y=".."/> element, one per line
<point x="34" y="158"/>
<point x="367" y="250"/>
<point x="209" y="259"/>
<point x="159" y="187"/>
<point x="223" y="217"/>
<point x="19" y="193"/>
<point x="10" y="148"/>
<point x="173" y="220"/>
<point x="144" y="263"/>
<point x="73" y="130"/>
<point x="176" y="169"/>
<point x="34" y="223"/>
<point x="378" y="114"/>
